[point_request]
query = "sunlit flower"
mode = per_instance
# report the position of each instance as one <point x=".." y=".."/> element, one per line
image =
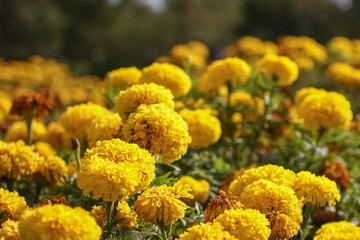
<point x="12" y="205"/>
<point x="338" y="231"/>
<point x="9" y="230"/>
<point x="206" y="231"/>
<point x="282" y="226"/>
<point x="18" y="131"/>
<point x="199" y="189"/>
<point x="123" y="77"/>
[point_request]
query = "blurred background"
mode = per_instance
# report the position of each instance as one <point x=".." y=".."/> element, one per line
<point x="95" y="36"/>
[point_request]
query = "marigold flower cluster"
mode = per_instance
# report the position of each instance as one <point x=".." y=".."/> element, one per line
<point x="199" y="190"/>
<point x="206" y="231"/>
<point x="337" y="231"/>
<point x="194" y="51"/>
<point x="344" y="74"/>
<point x="10" y="230"/>
<point x="123" y="77"/>
<point x="344" y="49"/>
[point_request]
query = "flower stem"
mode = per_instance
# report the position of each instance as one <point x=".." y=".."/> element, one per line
<point x="28" y="120"/>
<point x="308" y="211"/>
<point x="163" y="231"/>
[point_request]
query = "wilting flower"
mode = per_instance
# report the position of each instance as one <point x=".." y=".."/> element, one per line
<point x="129" y="100"/>
<point x="159" y="129"/>
<point x="282" y="226"/>
<point x="59" y="199"/>
<point x="337" y="172"/>
<point x="58" y="222"/>
<point x="206" y="231"/>
<point x="169" y="76"/>
<point x="204" y="128"/>
<point x="245" y="224"/>
<point x="9" y="230"/>
<point x="317" y="190"/>
<point x="11" y="205"/>
<point x="123" y="77"/>
<point x="221" y="203"/>
<point x="199" y="189"/>
<point x="338" y="231"/>
<point x="162" y="203"/>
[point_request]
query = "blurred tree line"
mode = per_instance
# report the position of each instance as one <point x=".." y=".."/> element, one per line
<point x="95" y="36"/>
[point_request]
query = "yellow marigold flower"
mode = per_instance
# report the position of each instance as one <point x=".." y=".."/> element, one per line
<point x="282" y="226"/>
<point x="250" y="46"/>
<point x="52" y="168"/>
<point x="325" y="109"/>
<point x="123" y="77"/>
<point x="305" y="63"/>
<point x="272" y="173"/>
<point x="248" y="224"/>
<point x="55" y="134"/>
<point x="125" y="216"/>
<point x="162" y="203"/>
<point x="221" y="203"/>
<point x="252" y="105"/>
<point x="234" y="70"/>
<point x="18" y="131"/>
<point x="159" y="129"/>
<point x="316" y="189"/>
<point x="338" y="231"/>
<point x="199" y="48"/>
<point x="204" y="128"/>
<point x="58" y="222"/>
<point x="104" y="128"/>
<point x="344" y="74"/>
<point x="169" y="76"/>
<point x="266" y="196"/>
<point x="206" y="231"/>
<point x="12" y="205"/>
<point x="77" y="119"/>
<point x="227" y="180"/>
<point x="129" y="100"/>
<point x="45" y="149"/>
<point x="114" y="169"/>
<point x="72" y="168"/>
<point x="280" y="66"/>
<point x="343" y="48"/>
<point x="181" y="52"/>
<point x="18" y="160"/>
<point x="9" y="230"/>
<point x="5" y="106"/>
<point x="301" y="94"/>
<point x="199" y="189"/>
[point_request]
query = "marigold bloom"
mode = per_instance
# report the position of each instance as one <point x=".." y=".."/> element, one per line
<point x="248" y="224"/>
<point x="33" y="103"/>
<point x="250" y="105"/>
<point x="114" y="169"/>
<point x="18" y="131"/>
<point x="221" y="203"/>
<point x="58" y="222"/>
<point x="159" y="129"/>
<point x="124" y="215"/>
<point x="162" y="203"/>
<point x="104" y="128"/>
<point x="338" y="231"/>
<point x="343" y="48"/>
<point x="337" y="172"/>
<point x="272" y="173"/>
<point x="206" y="231"/>
<point x="199" y="189"/>
<point x="280" y="66"/>
<point x="59" y="199"/>
<point x="169" y="76"/>
<point x="55" y="133"/>
<point x="181" y="52"/>
<point x="52" y="168"/>
<point x="18" y="160"/>
<point x="129" y="100"/>
<point x="282" y="226"/>
<point x="5" y="106"/>
<point x="9" y="230"/>
<point x="123" y="77"/>
<point x="45" y="149"/>
<point x="204" y="128"/>
<point x="12" y="205"/>
<point x="77" y="119"/>
<point x="344" y="74"/>
<point x="325" y="109"/>
<point x="316" y="189"/>
<point x="266" y="196"/>
<point x="301" y="94"/>
<point x="225" y="184"/>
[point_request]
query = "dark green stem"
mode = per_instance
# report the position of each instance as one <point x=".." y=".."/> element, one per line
<point x="10" y="183"/>
<point x="38" y="189"/>
<point x="28" y="120"/>
<point x="308" y="210"/>
<point x="163" y="231"/>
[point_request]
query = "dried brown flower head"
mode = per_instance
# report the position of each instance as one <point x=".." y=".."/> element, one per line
<point x="337" y="172"/>
<point x="282" y="226"/>
<point x="32" y="103"/>
<point x="321" y="217"/>
<point x="59" y="199"/>
<point x="220" y="204"/>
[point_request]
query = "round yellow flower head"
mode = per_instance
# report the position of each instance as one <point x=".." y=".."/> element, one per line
<point x="343" y="48"/>
<point x="129" y="100"/>
<point x="250" y="46"/>
<point x="303" y="93"/>
<point x="5" y="106"/>
<point x="282" y="67"/>
<point x="181" y="53"/>
<point x="316" y="190"/>
<point x="114" y="169"/>
<point x="162" y="203"/>
<point x="199" y="189"/>
<point x="77" y="119"/>
<point x="221" y="203"/>
<point x="199" y="48"/>
<point x="123" y="77"/>
<point x="45" y="149"/>
<point x="228" y="180"/>
<point x="104" y="128"/>
<point x="204" y="128"/>
<point x="272" y="173"/>
<point x="9" y="230"/>
<point x="248" y="224"/>
<point x="58" y="222"/>
<point x="338" y="231"/>
<point x="124" y="215"/>
<point x="251" y="105"/>
<point x="234" y="70"/>
<point x="169" y="76"/>
<point x="344" y="74"/>
<point x="18" y="131"/>
<point x="12" y="205"/>
<point x="282" y="226"/>
<point x="18" y="160"/>
<point x="206" y="231"/>
<point x="325" y="110"/>
<point x="55" y="134"/>
<point x="159" y="129"/>
<point x="52" y="168"/>
<point x="266" y="196"/>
